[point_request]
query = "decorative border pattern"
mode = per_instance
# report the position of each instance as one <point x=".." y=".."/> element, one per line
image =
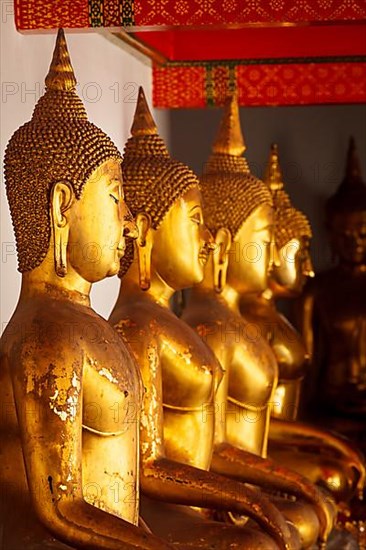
<point x="180" y="85"/>
<point x="95" y="13"/>
<point x="38" y="14"/>
<point x="231" y="12"/>
<point x="81" y="14"/>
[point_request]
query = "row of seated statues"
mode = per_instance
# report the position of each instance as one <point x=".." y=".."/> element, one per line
<point x="153" y="430"/>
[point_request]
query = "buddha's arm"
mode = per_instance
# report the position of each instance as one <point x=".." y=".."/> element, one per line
<point x="263" y="472"/>
<point x="52" y="446"/>
<point x="307" y="435"/>
<point x="250" y="468"/>
<point x="179" y="483"/>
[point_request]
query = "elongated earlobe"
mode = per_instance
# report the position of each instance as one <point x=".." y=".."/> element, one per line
<point x="221" y="258"/>
<point x="61" y="199"/>
<point x="143" y="246"/>
<point x="60" y="254"/>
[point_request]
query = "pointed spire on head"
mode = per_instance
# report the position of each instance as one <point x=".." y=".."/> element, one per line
<point x="61" y="74"/>
<point x="229" y="139"/>
<point x="353" y="169"/>
<point x="57" y="144"/>
<point x="143" y="122"/>
<point x="273" y="174"/>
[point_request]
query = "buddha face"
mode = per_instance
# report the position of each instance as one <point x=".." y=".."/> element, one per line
<point x="250" y="253"/>
<point x="98" y="223"/>
<point x="294" y="265"/>
<point x="181" y="243"/>
<point x="348" y="236"/>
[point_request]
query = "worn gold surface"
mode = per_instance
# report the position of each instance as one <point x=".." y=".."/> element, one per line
<point x="69" y="389"/>
<point x="180" y="374"/>
<point x="308" y="449"/>
<point x="247" y="392"/>
<point x="57" y="144"/>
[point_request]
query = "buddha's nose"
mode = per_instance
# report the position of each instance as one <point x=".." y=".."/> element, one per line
<point x="274" y="255"/>
<point x="208" y="238"/>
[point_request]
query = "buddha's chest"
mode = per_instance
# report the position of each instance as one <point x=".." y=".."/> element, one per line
<point x="188" y="367"/>
<point x="289" y="349"/>
<point x="111" y="389"/>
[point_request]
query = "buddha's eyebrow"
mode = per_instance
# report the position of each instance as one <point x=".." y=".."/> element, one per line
<point x="268" y="227"/>
<point x="195" y="207"/>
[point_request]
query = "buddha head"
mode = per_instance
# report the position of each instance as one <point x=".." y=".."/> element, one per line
<point x="346" y="214"/>
<point x="165" y="198"/>
<point x="64" y="185"/>
<point x="238" y="211"/>
<point x="292" y="236"/>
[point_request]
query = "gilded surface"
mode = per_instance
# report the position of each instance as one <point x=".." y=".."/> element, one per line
<point x="319" y="455"/>
<point x="250" y="368"/>
<point x="71" y="390"/>
<point x="180" y="374"/>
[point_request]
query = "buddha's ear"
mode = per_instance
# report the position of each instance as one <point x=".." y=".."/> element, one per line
<point x="143" y="248"/>
<point x="223" y="243"/>
<point x="62" y="196"/>
<point x="143" y="222"/>
<point x="221" y="257"/>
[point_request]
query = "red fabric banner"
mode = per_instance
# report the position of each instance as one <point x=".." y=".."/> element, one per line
<point x="204" y="85"/>
<point x="52" y="14"/>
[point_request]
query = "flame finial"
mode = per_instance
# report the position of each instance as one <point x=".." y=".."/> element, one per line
<point x="61" y="74"/>
<point x="273" y="174"/>
<point x="230" y="139"/>
<point x="143" y="122"/>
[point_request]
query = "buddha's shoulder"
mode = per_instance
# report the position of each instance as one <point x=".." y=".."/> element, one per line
<point x="51" y="328"/>
<point x="143" y="319"/>
<point x="208" y="314"/>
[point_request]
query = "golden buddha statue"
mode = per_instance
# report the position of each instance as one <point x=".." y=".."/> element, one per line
<point x="179" y="372"/>
<point x="238" y="210"/>
<point x="314" y="452"/>
<point x="334" y="330"/>
<point x="69" y="460"/>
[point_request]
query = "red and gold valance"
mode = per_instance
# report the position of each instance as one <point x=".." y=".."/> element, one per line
<point x="206" y="84"/>
<point x="38" y="14"/>
<point x="273" y="52"/>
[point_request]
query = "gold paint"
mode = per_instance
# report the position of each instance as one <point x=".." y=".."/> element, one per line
<point x="35" y="159"/>
<point x="250" y="369"/>
<point x="148" y="170"/>
<point x="226" y="174"/>
<point x="290" y="222"/>
<point x="143" y="122"/>
<point x="229" y="139"/>
<point x="179" y="372"/>
<point x="61" y="74"/>
<point x="64" y="185"/>
<point x="293" y="443"/>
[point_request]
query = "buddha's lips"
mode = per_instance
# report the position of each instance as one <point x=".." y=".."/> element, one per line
<point x="121" y="251"/>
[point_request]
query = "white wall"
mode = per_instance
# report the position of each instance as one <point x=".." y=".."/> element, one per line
<point x="108" y="74"/>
